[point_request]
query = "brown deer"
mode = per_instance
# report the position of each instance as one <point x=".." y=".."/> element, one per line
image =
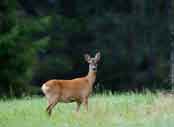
<point x="74" y="90"/>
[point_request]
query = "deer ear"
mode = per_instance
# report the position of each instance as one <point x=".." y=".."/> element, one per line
<point x="87" y="57"/>
<point x="97" y="56"/>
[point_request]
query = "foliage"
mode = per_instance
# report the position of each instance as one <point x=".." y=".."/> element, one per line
<point x="17" y="55"/>
<point x="41" y="41"/>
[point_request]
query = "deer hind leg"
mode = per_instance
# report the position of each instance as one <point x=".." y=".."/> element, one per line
<point x="52" y="106"/>
<point x="51" y="103"/>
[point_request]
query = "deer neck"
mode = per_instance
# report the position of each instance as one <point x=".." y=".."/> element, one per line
<point x="91" y="77"/>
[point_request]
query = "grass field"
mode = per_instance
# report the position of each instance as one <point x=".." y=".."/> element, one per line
<point x="123" y="110"/>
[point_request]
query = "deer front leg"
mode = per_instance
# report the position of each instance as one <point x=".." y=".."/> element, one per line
<point x="78" y="106"/>
<point x="85" y="103"/>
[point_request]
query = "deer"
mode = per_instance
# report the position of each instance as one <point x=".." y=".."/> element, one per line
<point x="73" y="90"/>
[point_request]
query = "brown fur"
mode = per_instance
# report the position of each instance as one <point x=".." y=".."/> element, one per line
<point x="77" y="89"/>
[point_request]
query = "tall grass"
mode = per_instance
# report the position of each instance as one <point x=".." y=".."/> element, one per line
<point x="123" y="110"/>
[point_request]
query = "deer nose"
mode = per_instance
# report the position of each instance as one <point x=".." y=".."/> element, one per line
<point x="94" y="68"/>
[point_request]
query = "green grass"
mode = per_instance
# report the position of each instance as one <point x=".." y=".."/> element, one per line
<point x="124" y="110"/>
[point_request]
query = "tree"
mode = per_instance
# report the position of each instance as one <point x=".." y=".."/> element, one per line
<point x="17" y="52"/>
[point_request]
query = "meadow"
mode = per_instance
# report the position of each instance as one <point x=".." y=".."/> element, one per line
<point x="106" y="110"/>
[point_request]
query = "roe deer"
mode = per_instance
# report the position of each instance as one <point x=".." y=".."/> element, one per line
<point x="75" y="90"/>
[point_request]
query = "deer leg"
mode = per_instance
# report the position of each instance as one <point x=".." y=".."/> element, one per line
<point x="78" y="105"/>
<point x="85" y="103"/>
<point x="51" y="105"/>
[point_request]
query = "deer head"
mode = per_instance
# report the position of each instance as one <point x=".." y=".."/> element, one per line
<point x="93" y="61"/>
